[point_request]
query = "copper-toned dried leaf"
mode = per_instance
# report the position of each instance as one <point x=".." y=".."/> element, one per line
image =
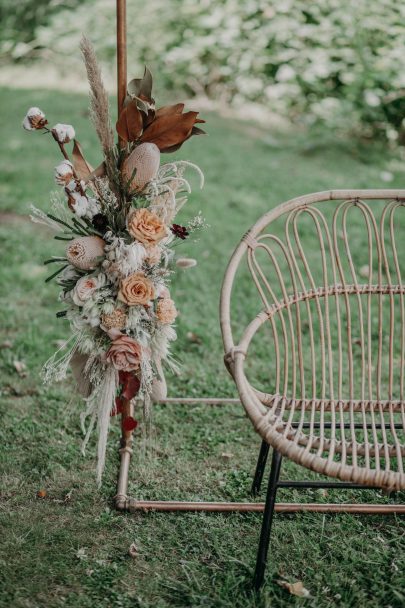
<point x="170" y="130"/>
<point x="97" y="172"/>
<point x="134" y="121"/>
<point x="121" y="125"/>
<point x="176" y="109"/>
<point x="129" y="124"/>
<point x="141" y="86"/>
<point x="82" y="167"/>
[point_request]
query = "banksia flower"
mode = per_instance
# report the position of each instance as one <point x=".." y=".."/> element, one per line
<point x="84" y="252"/>
<point x="34" y="120"/>
<point x="143" y="164"/>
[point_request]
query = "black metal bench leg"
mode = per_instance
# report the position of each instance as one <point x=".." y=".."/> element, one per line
<point x="267" y="520"/>
<point x="260" y="467"/>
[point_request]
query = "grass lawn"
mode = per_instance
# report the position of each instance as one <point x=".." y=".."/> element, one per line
<point x="71" y="548"/>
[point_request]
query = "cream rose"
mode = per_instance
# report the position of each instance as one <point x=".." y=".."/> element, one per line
<point x="125" y="354"/>
<point x="136" y="289"/>
<point x="146" y="227"/>
<point x="166" y="311"/>
<point x="83" y="290"/>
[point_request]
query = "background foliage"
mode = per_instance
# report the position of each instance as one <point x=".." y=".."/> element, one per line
<point x="337" y="62"/>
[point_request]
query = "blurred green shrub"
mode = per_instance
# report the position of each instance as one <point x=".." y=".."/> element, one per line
<point x="19" y="20"/>
<point x="340" y="62"/>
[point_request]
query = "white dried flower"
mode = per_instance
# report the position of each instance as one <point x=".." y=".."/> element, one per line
<point x="64" y="173"/>
<point x="186" y="262"/>
<point x="34" y="119"/>
<point x="78" y="203"/>
<point x="63" y="133"/>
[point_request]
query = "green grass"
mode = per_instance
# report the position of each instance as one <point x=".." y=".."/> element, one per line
<point x="58" y="552"/>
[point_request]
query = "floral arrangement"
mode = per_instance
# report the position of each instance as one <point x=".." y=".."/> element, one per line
<point x="118" y="225"/>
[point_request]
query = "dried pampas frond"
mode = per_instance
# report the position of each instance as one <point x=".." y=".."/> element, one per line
<point x="99" y="106"/>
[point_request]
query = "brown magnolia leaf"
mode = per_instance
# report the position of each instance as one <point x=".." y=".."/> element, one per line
<point x="176" y="109"/>
<point x="82" y="167"/>
<point x="170" y="130"/>
<point x="141" y="87"/>
<point x="97" y="172"/>
<point x="129" y="124"/>
<point x="296" y="588"/>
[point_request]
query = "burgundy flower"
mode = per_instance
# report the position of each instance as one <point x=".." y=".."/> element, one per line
<point x="180" y="231"/>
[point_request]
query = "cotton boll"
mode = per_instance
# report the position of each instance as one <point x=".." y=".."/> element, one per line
<point x="34" y="119"/>
<point x="63" y="133"/>
<point x="64" y="175"/>
<point x="79" y="204"/>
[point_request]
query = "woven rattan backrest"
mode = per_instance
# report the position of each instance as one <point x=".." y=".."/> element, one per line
<point x="328" y="269"/>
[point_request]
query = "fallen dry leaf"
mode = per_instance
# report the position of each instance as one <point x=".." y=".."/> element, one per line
<point x="193" y="337"/>
<point x="20" y="368"/>
<point x="6" y="344"/>
<point x="41" y="493"/>
<point x="227" y="455"/>
<point x="133" y="551"/>
<point x="296" y="588"/>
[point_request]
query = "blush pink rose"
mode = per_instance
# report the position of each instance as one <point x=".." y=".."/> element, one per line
<point x="125" y="354"/>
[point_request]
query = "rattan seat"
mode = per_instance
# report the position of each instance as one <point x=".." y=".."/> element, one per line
<point x="338" y="406"/>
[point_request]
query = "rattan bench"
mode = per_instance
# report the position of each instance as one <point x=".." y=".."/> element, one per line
<point x="327" y="344"/>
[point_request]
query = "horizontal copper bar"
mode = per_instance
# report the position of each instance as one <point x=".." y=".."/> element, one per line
<point x="133" y="505"/>
<point x="192" y="401"/>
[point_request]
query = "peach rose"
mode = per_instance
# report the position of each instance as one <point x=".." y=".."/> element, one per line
<point x="136" y="289"/>
<point x="166" y="311"/>
<point x="125" y="354"/>
<point x="146" y="227"/>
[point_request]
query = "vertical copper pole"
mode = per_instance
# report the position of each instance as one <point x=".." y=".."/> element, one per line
<point x="126" y="436"/>
<point x="125" y="456"/>
<point x="121" y="54"/>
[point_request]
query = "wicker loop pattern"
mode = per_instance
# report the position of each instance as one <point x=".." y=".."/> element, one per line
<point x="327" y="270"/>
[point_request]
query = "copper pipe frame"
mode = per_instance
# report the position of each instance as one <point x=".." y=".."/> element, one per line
<point x="125" y="503"/>
<point x="121" y="57"/>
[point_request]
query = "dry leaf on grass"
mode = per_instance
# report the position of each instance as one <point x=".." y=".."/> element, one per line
<point x="41" y="493"/>
<point x="227" y="455"/>
<point x="6" y="344"/>
<point x="296" y="588"/>
<point x="193" y="337"/>
<point x="133" y="551"/>
<point x="20" y="368"/>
